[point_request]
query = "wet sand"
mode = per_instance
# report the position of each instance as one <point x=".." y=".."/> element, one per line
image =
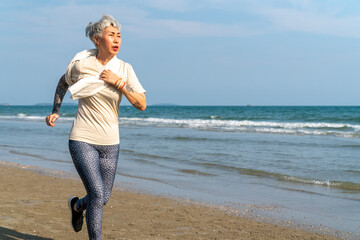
<point x="33" y="206"/>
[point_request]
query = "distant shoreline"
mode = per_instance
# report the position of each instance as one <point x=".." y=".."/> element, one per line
<point x="178" y="105"/>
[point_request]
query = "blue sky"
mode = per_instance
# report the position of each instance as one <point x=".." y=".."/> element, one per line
<point x="193" y="52"/>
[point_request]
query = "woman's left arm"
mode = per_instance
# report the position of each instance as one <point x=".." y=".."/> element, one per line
<point x="138" y="100"/>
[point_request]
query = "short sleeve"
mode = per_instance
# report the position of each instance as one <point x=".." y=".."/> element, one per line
<point x="76" y="58"/>
<point x="68" y="73"/>
<point x="133" y="81"/>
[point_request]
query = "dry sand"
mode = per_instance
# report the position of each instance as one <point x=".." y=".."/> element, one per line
<point x="34" y="206"/>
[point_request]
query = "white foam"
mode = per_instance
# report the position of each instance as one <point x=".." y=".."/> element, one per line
<point x="313" y="181"/>
<point x="25" y="117"/>
<point x="292" y="128"/>
<point x="21" y="115"/>
<point x="335" y="129"/>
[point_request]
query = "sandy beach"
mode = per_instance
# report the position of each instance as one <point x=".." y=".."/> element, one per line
<point x="33" y="205"/>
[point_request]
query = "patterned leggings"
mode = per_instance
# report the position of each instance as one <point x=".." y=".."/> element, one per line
<point x="96" y="165"/>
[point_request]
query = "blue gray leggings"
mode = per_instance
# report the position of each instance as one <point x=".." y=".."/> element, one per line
<point x="96" y="165"/>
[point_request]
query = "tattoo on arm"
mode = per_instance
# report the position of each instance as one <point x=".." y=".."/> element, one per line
<point x="61" y="89"/>
<point x="137" y="105"/>
<point x="129" y="89"/>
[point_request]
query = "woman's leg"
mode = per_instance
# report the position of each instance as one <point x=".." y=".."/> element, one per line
<point x="109" y="156"/>
<point x="96" y="166"/>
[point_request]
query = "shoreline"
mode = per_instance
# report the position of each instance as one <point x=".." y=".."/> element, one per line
<point x="34" y="206"/>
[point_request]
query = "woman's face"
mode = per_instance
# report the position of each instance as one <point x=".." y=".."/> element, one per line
<point x="110" y="41"/>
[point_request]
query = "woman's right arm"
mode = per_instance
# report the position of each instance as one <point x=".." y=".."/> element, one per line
<point x="60" y="92"/>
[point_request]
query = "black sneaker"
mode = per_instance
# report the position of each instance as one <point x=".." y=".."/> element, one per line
<point x="76" y="217"/>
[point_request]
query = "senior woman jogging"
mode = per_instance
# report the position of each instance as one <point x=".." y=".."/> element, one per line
<point x="99" y="80"/>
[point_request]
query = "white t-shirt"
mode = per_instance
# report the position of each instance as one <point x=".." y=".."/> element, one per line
<point x="96" y="120"/>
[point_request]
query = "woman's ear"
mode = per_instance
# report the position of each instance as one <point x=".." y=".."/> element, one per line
<point x="96" y="41"/>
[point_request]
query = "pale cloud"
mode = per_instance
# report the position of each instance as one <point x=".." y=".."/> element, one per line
<point x="311" y="21"/>
<point x="174" y="5"/>
<point x="300" y="3"/>
<point x="262" y="18"/>
<point x="191" y="5"/>
<point x="274" y="16"/>
<point x="139" y="22"/>
<point x="168" y="28"/>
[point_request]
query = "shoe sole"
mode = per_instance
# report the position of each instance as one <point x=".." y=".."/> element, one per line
<point x="71" y="210"/>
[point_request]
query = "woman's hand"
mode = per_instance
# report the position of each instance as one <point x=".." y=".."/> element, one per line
<point x="50" y="120"/>
<point x="109" y="77"/>
<point x="136" y="99"/>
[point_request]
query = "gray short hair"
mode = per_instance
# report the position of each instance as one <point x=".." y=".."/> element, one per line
<point x="97" y="28"/>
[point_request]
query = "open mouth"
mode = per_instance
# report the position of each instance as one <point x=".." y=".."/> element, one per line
<point x="115" y="48"/>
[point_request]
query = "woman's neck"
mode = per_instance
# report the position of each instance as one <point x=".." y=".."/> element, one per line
<point x="103" y="59"/>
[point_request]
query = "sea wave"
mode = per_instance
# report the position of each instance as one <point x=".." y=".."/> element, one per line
<point x="292" y="128"/>
<point x="345" y="186"/>
<point x="270" y="127"/>
<point x="341" y="185"/>
<point x="26" y="117"/>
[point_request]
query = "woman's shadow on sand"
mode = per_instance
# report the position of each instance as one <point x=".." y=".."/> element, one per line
<point x="9" y="234"/>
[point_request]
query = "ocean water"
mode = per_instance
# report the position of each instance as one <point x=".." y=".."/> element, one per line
<point x="294" y="164"/>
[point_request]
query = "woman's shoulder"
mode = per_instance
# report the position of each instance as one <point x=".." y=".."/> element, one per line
<point x="125" y="65"/>
<point x="75" y="62"/>
<point x="87" y="61"/>
<point x="84" y="54"/>
<point x="122" y="62"/>
<point x="88" y="65"/>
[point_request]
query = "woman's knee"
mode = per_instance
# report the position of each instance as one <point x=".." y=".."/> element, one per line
<point x="97" y="197"/>
<point x="106" y="198"/>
